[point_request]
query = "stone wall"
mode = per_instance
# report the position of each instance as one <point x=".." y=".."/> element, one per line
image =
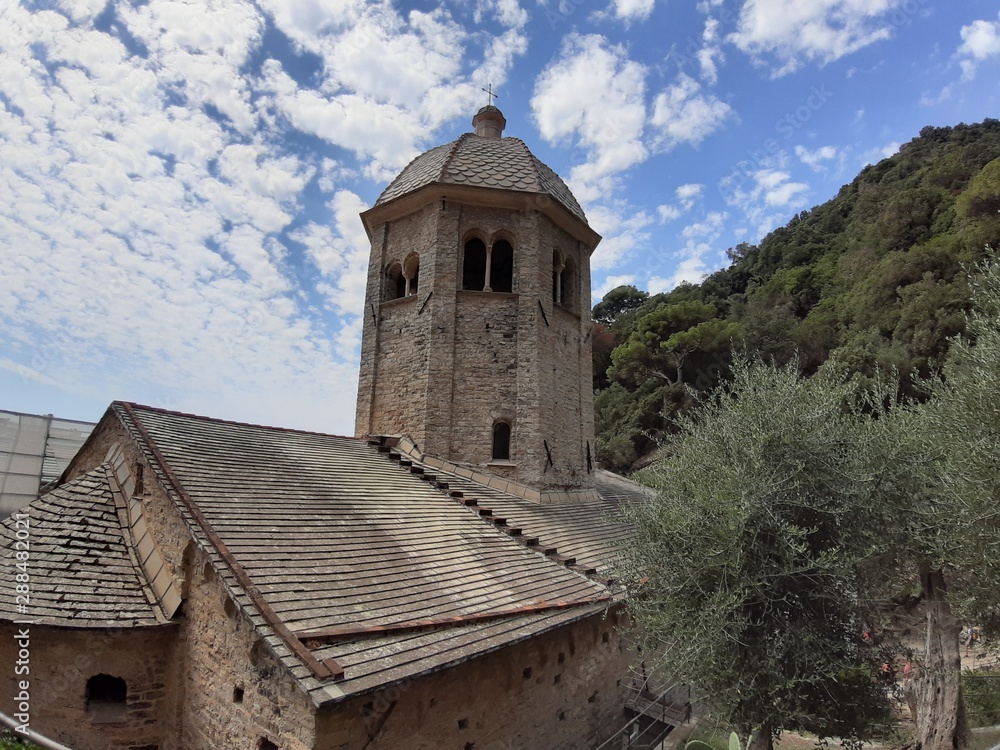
<point x="62" y="660"/>
<point x="444" y="366"/>
<point x="558" y="691"/>
<point x="227" y="686"/>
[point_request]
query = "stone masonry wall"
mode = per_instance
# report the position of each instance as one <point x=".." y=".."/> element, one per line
<point x="395" y="352"/>
<point x="62" y="660"/>
<point x="485" y="378"/>
<point x="558" y="691"/>
<point x="443" y="366"/>
<point x="227" y="685"/>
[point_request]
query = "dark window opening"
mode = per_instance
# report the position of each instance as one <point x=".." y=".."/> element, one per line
<point x="265" y="744"/>
<point x="395" y="284"/>
<point x="238" y="693"/>
<point x="527" y="673"/>
<point x="501" y="441"/>
<point x="474" y="266"/>
<point x="502" y="267"/>
<point x="106" y="699"/>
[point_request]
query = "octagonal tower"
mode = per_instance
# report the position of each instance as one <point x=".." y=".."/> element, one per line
<point x="476" y="340"/>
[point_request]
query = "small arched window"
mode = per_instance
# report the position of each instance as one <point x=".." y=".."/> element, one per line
<point x="502" y="267"/>
<point x="474" y="265"/>
<point x="106" y="699"/>
<point x="395" y="284"/>
<point x="567" y="285"/>
<point x="501" y="441"/>
<point x="411" y="274"/>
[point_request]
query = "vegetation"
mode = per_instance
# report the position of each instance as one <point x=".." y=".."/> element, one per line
<point x="745" y="569"/>
<point x="788" y="505"/>
<point x="982" y="697"/>
<point x="9" y="741"/>
<point x="874" y="276"/>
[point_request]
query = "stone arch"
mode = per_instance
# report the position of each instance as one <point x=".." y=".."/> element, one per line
<point x="411" y="274"/>
<point x="568" y="284"/>
<point x="501" y="440"/>
<point x="395" y="283"/>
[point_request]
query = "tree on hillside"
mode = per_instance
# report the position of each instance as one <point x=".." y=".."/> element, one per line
<point x="744" y="572"/>
<point x="952" y="523"/>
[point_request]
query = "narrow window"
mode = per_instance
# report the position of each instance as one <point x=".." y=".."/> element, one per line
<point x="501" y="441"/>
<point x="395" y="284"/>
<point x="474" y="265"/>
<point x="567" y="285"/>
<point x="502" y="267"/>
<point x="106" y="699"/>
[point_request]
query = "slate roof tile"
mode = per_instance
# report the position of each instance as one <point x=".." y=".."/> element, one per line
<point x="335" y="538"/>
<point x="81" y="573"/>
<point x="502" y="163"/>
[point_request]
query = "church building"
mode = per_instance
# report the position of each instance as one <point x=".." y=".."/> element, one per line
<point x="439" y="581"/>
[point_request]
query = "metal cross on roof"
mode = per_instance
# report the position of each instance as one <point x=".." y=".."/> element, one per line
<point x="490" y="95"/>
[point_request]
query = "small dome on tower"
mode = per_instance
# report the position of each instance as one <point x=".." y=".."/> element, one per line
<point x="483" y="159"/>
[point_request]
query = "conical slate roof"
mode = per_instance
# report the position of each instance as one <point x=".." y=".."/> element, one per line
<point x="501" y="163"/>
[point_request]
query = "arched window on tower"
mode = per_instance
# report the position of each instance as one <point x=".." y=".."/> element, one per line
<point x="106" y="699"/>
<point x="502" y="267"/>
<point x="567" y="285"/>
<point x="501" y="441"/>
<point x="395" y="284"/>
<point x="411" y="274"/>
<point x="474" y="265"/>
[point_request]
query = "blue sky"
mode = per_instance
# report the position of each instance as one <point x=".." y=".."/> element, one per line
<point x="181" y="180"/>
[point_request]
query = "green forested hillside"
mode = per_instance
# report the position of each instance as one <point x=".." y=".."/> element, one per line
<point x="875" y="276"/>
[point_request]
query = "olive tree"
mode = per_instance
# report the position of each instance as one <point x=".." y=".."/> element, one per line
<point x="745" y="571"/>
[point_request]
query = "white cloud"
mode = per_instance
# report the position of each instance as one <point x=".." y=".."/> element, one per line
<point x="815" y="158"/>
<point x="710" y="56"/>
<point x="687" y="195"/>
<point x="710" y="227"/>
<point x="609" y="283"/>
<point x="980" y="41"/>
<point x="795" y="32"/>
<point x="622" y="233"/>
<point x="681" y="114"/>
<point x="760" y="192"/>
<point x="148" y="185"/>
<point x="592" y="94"/>
<point x="633" y="10"/>
<point x="691" y="268"/>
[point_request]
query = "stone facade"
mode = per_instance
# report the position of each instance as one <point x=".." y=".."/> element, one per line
<point x="63" y="660"/>
<point x="559" y="691"/>
<point x="445" y="364"/>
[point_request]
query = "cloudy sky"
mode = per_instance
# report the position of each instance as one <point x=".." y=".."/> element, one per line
<point x="181" y="179"/>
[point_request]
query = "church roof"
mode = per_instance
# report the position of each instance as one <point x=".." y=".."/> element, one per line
<point x="357" y="571"/>
<point x="80" y="562"/>
<point x="499" y="163"/>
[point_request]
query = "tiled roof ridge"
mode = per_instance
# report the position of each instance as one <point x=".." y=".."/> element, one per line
<point x="233" y="422"/>
<point x="451" y="156"/>
<point x="486" y="514"/>
<point x="320" y="670"/>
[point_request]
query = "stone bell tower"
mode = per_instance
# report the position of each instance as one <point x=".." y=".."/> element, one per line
<point x="476" y="340"/>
